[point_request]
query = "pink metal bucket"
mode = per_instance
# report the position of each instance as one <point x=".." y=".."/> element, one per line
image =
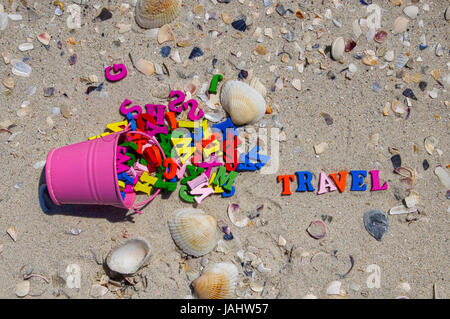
<point x="85" y="173"/>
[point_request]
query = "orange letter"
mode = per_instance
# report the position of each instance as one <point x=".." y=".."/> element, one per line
<point x="340" y="183"/>
<point x="286" y="179"/>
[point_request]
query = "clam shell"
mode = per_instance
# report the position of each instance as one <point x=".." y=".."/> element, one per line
<point x="243" y="103"/>
<point x="145" y="67"/>
<point x="193" y="231"/>
<point x="400" y="25"/>
<point x="411" y="11"/>
<point x="337" y="49"/>
<point x="218" y="282"/>
<point x="129" y="256"/>
<point x="23" y="289"/>
<point x="165" y="34"/>
<point x="152" y="14"/>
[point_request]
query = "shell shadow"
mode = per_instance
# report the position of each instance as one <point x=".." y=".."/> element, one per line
<point x="110" y="213"/>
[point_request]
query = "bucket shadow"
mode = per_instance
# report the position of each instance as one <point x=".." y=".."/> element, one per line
<point x="110" y="213"/>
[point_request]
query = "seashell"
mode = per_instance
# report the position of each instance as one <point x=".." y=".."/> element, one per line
<point x="26" y="46"/>
<point x="412" y="200"/>
<point x="243" y="103"/>
<point x="195" y="53"/>
<point x="175" y="56"/>
<point x="239" y="25"/>
<point x="129" y="256"/>
<point x="8" y="83"/>
<point x="23" y="288"/>
<point x="260" y="50"/>
<point x="376" y="223"/>
<point x="411" y="11"/>
<point x="21" y="69"/>
<point x="401" y="61"/>
<point x="380" y="36"/>
<point x="334" y="288"/>
<point x="398" y="107"/>
<point x="369" y="60"/>
<point x="389" y="56"/>
<point x="258" y="86"/>
<point x="320" y="148"/>
<point x="44" y="38"/>
<point x="398" y="210"/>
<point x="12" y="232"/>
<point x="226" y="18"/>
<point x="447" y="14"/>
<point x="349" y="45"/>
<point x="439" y="50"/>
<point x="400" y="25"/>
<point x="97" y="291"/>
<point x="356" y="29"/>
<point x="218" y="282"/>
<point x="165" y="34"/>
<point x="193" y="231"/>
<point x="233" y="209"/>
<point x="337" y="49"/>
<point x="152" y="14"/>
<point x="430" y="144"/>
<point x="145" y="67"/>
<point x="443" y="176"/>
<point x="297" y="84"/>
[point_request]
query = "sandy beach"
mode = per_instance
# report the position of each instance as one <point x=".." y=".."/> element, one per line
<point x="314" y="99"/>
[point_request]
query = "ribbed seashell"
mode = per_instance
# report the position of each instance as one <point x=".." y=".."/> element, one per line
<point x="337" y="49"/>
<point x="400" y="25"/>
<point x="258" y="86"/>
<point x="194" y="232"/>
<point x="129" y="256"/>
<point x="243" y="103"/>
<point x="152" y="14"/>
<point x="218" y="282"/>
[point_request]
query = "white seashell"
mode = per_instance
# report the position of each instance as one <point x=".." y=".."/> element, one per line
<point x="356" y="29"/>
<point x="129" y="256"/>
<point x="447" y="14"/>
<point x="309" y="296"/>
<point x="258" y="86"/>
<point x="412" y="200"/>
<point x="297" y="84"/>
<point x="145" y="67"/>
<point x="218" y="282"/>
<point x="3" y="21"/>
<point x="194" y="232"/>
<point x="405" y="286"/>
<point x="73" y="279"/>
<point x="334" y="288"/>
<point x="152" y="14"/>
<point x="74" y="19"/>
<point x="15" y="17"/>
<point x="175" y="56"/>
<point x="263" y="269"/>
<point x="256" y="286"/>
<point x="400" y="25"/>
<point x="439" y="50"/>
<point x="320" y="148"/>
<point x="389" y="56"/>
<point x="337" y="49"/>
<point x="398" y="210"/>
<point x="26" y="46"/>
<point x="443" y="176"/>
<point x="233" y="209"/>
<point x="411" y="11"/>
<point x="243" y="103"/>
<point x="23" y="288"/>
<point x="98" y="291"/>
<point x="430" y="143"/>
<point x="165" y="34"/>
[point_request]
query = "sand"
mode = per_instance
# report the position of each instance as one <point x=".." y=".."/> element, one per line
<point x="415" y="248"/>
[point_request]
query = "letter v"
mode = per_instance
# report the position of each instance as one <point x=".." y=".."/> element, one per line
<point x="340" y="183"/>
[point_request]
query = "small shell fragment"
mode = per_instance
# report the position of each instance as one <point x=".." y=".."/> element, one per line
<point x="44" y="38"/>
<point x="376" y="223"/>
<point x="430" y="144"/>
<point x="145" y="67"/>
<point x="297" y="84"/>
<point x="233" y="210"/>
<point x="23" y="288"/>
<point x="370" y="60"/>
<point x="317" y="229"/>
<point x="320" y="148"/>
<point x="12" y="232"/>
<point x="398" y="210"/>
<point x="411" y="11"/>
<point x="443" y="176"/>
<point x="165" y="34"/>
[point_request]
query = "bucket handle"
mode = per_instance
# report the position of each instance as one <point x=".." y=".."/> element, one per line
<point x="155" y="142"/>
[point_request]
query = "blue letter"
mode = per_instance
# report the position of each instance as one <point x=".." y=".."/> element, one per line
<point x="304" y="181"/>
<point x="358" y="181"/>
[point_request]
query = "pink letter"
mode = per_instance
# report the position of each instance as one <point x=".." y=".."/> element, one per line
<point x="376" y="182"/>
<point x="324" y="183"/>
